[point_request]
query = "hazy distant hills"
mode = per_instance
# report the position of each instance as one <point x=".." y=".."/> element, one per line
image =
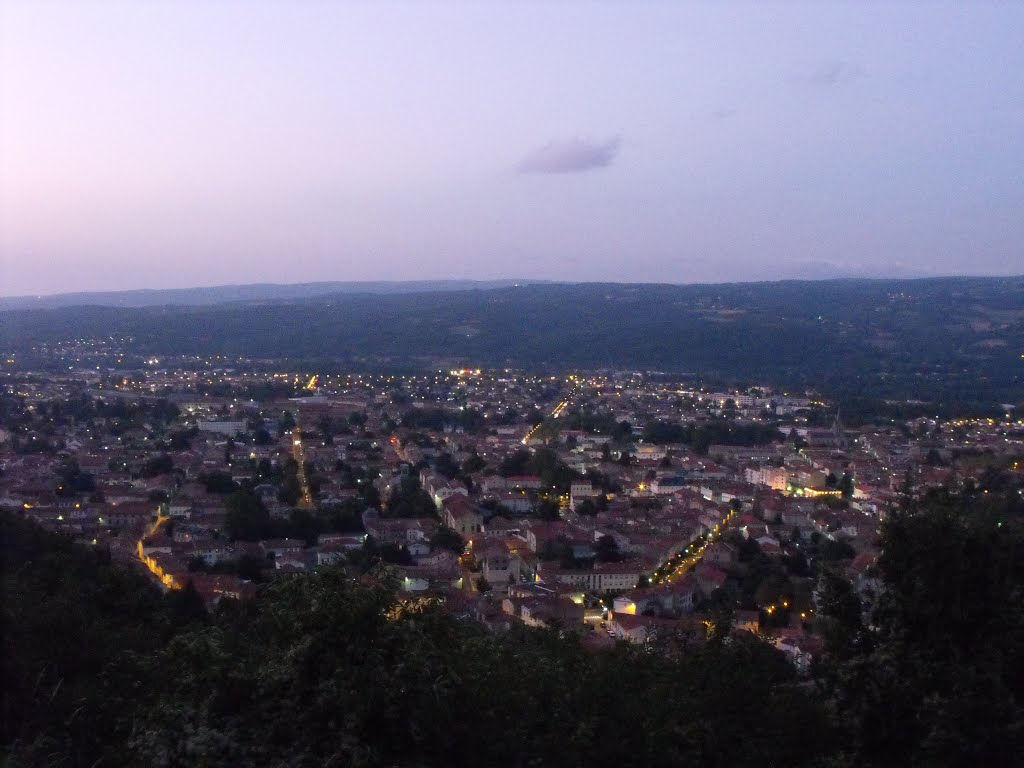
<point x="221" y="294"/>
<point x="942" y="339"/>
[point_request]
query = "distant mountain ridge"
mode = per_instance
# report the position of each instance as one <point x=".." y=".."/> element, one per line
<point x="222" y="294"/>
<point x="940" y="340"/>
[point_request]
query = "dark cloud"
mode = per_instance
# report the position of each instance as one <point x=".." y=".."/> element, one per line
<point x="828" y="74"/>
<point x="571" y="156"/>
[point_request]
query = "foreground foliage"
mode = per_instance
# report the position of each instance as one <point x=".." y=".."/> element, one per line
<point x="331" y="670"/>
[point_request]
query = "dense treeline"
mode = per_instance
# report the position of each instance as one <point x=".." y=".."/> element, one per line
<point x="952" y="340"/>
<point x="719" y="432"/>
<point x="329" y="669"/>
<point x="939" y="679"/>
<point x="438" y="419"/>
<point x="72" y="627"/>
<point x="542" y="463"/>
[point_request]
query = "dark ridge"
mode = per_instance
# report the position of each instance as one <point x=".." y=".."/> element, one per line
<point x="943" y="339"/>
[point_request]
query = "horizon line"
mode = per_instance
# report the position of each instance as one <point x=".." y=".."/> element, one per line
<point x="505" y="282"/>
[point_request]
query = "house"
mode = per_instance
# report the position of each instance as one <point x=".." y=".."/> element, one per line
<point x="793" y="517"/>
<point x="444" y="490"/>
<point x="210" y="552"/>
<point x="128" y="514"/>
<point x="549" y="611"/>
<point x="342" y="540"/>
<point x="639" y="629"/>
<point x="539" y="534"/>
<point x="497" y="564"/>
<point x="746" y="621"/>
<point x="527" y="482"/>
<point x="679" y="596"/>
<point x="769" y="545"/>
<point x="493" y="484"/>
<point x="215" y="587"/>
<point x="462" y="516"/>
<point x="603" y="577"/>
<point x="228" y="428"/>
<point x="579" y="492"/>
<point x="709" y="577"/>
<point x="282" y="548"/>
<point x="668" y="484"/>
<point x="515" y="501"/>
<point x="498" y="525"/>
<point x="294" y="562"/>
<point x="721" y="553"/>
<point x="650" y="453"/>
<point x="328" y="554"/>
<point x="636" y="601"/>
<point x="398" y="530"/>
<point x="181" y="510"/>
<point x="411" y="580"/>
<point x="799" y="648"/>
<point x="773" y="477"/>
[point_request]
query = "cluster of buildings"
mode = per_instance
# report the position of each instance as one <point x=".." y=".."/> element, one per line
<point x="514" y="497"/>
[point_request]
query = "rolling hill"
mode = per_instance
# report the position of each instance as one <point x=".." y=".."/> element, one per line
<point x="942" y="339"/>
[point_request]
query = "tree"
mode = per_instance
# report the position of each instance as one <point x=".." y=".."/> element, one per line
<point x="587" y="508"/>
<point x="396" y="554"/>
<point x="408" y="499"/>
<point x="252" y="567"/>
<point x="290" y="490"/>
<point x="473" y="464"/>
<point x="72" y="480"/>
<point x="846" y="485"/>
<point x="940" y="679"/>
<point x="247" y="519"/>
<point x="607" y="550"/>
<point x="327" y="430"/>
<point x="218" y="482"/>
<point x="831" y="550"/>
<point x="515" y="463"/>
<point x="547" y="509"/>
<point x="557" y="548"/>
<point x="262" y="682"/>
<point x="839" y="615"/>
<point x="185" y="606"/>
<point x="447" y="538"/>
<point x="286" y="423"/>
<point x="160" y="464"/>
<point x="797" y="564"/>
<point x="446" y="466"/>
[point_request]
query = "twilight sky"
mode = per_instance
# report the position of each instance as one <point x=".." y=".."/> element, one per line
<point x="172" y="144"/>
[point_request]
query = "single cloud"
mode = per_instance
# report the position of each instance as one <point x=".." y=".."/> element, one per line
<point x="832" y="73"/>
<point x="572" y="156"/>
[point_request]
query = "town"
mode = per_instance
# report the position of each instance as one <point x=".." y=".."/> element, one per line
<point x="622" y="506"/>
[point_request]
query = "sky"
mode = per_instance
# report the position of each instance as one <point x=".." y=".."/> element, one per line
<point x="174" y="144"/>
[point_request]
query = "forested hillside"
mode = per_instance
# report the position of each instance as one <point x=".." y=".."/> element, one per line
<point x="949" y="340"/>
